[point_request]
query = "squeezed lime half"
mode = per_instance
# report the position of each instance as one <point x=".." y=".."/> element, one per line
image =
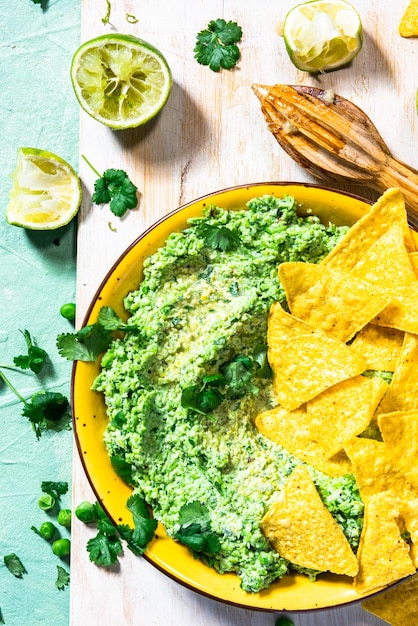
<point x="120" y="80"/>
<point x="322" y="35"/>
<point x="46" y="192"/>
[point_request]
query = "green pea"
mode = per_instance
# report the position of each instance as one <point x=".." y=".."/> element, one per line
<point x="68" y="311"/>
<point x="46" y="502"/>
<point x="64" y="518"/>
<point x="284" y="621"/>
<point x="46" y="530"/>
<point x="61" y="547"/>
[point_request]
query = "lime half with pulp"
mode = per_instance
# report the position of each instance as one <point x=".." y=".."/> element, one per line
<point x="120" y="80"/>
<point x="46" y="192"/>
<point x="322" y="35"/>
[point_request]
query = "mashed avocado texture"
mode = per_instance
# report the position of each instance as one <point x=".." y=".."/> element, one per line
<point x="182" y="392"/>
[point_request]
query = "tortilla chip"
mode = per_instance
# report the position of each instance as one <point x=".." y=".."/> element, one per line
<point x="400" y="434"/>
<point x="398" y="605"/>
<point x="293" y="430"/>
<point x="413" y="258"/>
<point x="344" y="411"/>
<point x="402" y="394"/>
<point x="389" y="209"/>
<point x="410" y="518"/>
<point x="329" y="299"/>
<point x="380" y="346"/>
<point x="315" y="540"/>
<point x="386" y="263"/>
<point x="408" y="26"/>
<point x="374" y="470"/>
<point x="402" y="313"/>
<point x="305" y="360"/>
<point x="383" y="555"/>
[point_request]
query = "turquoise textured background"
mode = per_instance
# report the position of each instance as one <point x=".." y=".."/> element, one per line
<point x="37" y="275"/>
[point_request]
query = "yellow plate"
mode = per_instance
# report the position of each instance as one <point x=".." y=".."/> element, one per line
<point x="293" y="592"/>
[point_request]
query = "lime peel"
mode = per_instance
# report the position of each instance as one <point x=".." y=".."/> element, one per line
<point x="322" y="35"/>
<point x="46" y="192"/>
<point x="120" y="80"/>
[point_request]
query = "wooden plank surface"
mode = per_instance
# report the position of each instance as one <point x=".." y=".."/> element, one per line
<point x="212" y="135"/>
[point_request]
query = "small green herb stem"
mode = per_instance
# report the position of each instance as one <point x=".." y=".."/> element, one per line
<point x="91" y="166"/>
<point x="11" y="387"/>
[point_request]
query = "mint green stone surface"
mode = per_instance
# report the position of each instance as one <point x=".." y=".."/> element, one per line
<point x="37" y="275"/>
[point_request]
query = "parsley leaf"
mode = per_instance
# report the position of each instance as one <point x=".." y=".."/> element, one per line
<point x="84" y="345"/>
<point x="216" y="45"/>
<point x="35" y="357"/>
<point x="63" y="578"/>
<point x="219" y="237"/>
<point x="14" y="565"/>
<point x="104" y="550"/>
<point x="195" y="531"/>
<point x="47" y="410"/>
<point x="115" y="187"/>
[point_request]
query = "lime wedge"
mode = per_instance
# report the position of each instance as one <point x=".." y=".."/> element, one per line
<point x="322" y="35"/>
<point x="120" y="80"/>
<point x="46" y="192"/>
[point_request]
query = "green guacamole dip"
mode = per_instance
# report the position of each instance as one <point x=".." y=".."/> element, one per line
<point x="204" y="302"/>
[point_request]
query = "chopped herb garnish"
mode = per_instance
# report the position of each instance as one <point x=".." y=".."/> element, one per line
<point x="14" y="565"/>
<point x="216" y="45"/>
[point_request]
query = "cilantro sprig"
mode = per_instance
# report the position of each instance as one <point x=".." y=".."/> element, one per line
<point x="90" y="341"/>
<point x="195" y="531"/>
<point x="106" y="546"/>
<point x="35" y="357"/>
<point x="115" y="188"/>
<point x="216" y="45"/>
<point x="234" y="380"/>
<point x="219" y="237"/>
<point x="45" y="410"/>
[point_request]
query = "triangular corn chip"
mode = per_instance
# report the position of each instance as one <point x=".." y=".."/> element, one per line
<point x="398" y="605"/>
<point x="293" y="430"/>
<point x="383" y="555"/>
<point x="380" y="346"/>
<point x="402" y="394"/>
<point x="344" y="411"/>
<point x="400" y="434"/>
<point x="387" y="210"/>
<point x="329" y="299"/>
<point x="303" y="531"/>
<point x="305" y="360"/>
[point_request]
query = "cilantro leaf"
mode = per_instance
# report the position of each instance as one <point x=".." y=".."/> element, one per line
<point x="144" y="524"/>
<point x="115" y="187"/>
<point x="35" y="357"/>
<point x="216" y="45"/>
<point x="219" y="237"/>
<point x="84" y="345"/>
<point x="54" y="489"/>
<point x="110" y="320"/>
<point x="47" y="410"/>
<point x="1" y="618"/>
<point x="122" y="468"/>
<point x="14" y="565"/>
<point x="195" y="531"/>
<point x="104" y="550"/>
<point x="63" y="578"/>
